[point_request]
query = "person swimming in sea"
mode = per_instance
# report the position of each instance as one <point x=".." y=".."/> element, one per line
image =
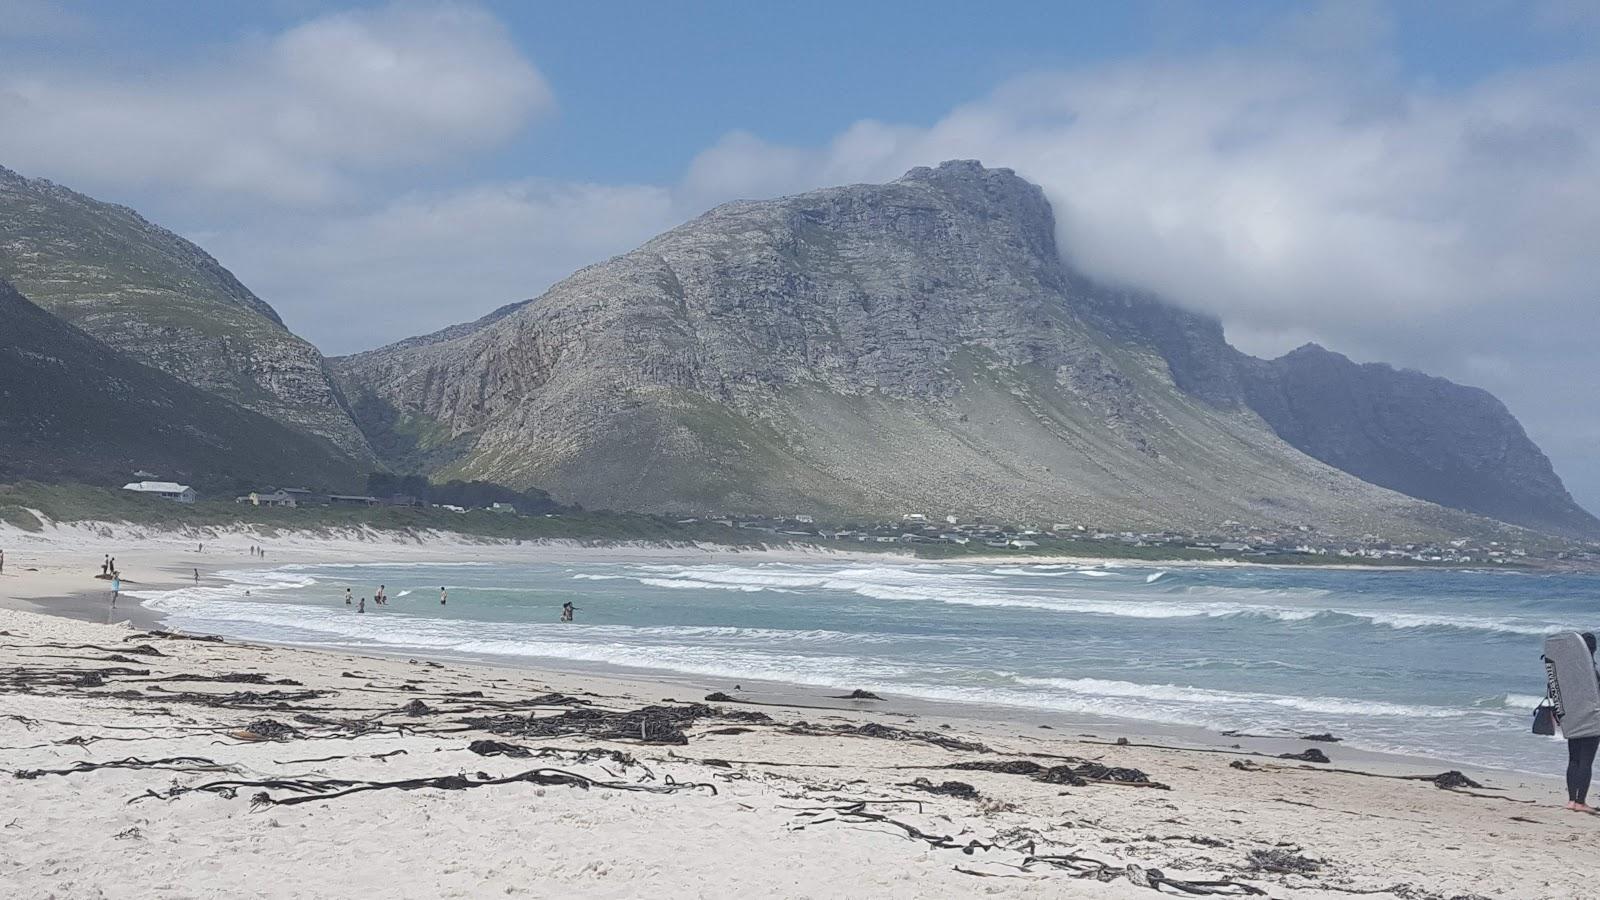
<point x="346" y="596"/>
<point x="443" y="596"/>
<point x="567" y="609"/>
<point x="362" y="606"/>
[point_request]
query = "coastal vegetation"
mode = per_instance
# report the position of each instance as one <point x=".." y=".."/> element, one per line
<point x="28" y="505"/>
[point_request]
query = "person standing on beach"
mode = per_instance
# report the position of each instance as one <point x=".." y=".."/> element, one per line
<point x="1573" y="685"/>
<point x="2" y="562"/>
<point x="362" y="606"/>
<point x="196" y="576"/>
<point x="111" y="565"/>
<point x="116" y="588"/>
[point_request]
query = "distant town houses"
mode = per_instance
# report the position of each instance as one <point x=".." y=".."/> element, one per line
<point x="353" y="500"/>
<point x="269" y="498"/>
<point x="166" y="490"/>
<point x="1229" y="540"/>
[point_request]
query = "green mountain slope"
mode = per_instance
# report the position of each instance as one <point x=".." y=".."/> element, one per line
<point x="164" y="301"/>
<point x="72" y="408"/>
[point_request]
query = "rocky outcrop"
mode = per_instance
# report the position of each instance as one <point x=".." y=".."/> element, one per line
<point x="165" y="302"/>
<point x="73" y="409"/>
<point x="864" y="350"/>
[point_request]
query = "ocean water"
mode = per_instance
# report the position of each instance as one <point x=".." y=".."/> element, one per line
<point x="1437" y="663"/>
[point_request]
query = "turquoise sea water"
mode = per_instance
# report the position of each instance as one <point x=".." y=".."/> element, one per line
<point x="1439" y="663"/>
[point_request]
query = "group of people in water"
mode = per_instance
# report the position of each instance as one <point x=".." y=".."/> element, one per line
<point x="381" y="598"/>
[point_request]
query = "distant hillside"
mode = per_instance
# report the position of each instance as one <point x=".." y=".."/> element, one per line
<point x="1424" y="436"/>
<point x="163" y="301"/>
<point x="918" y="346"/>
<point x="72" y="408"/>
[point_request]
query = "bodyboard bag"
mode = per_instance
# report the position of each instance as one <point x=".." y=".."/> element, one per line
<point x="1574" y="685"/>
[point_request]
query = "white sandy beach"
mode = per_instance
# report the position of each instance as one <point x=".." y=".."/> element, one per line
<point x="797" y="811"/>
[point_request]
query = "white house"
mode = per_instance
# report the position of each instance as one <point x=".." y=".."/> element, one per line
<point x="168" y="490"/>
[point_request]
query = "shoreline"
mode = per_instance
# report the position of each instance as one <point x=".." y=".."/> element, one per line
<point x="821" y="799"/>
<point x="812" y="794"/>
<point x="91" y="605"/>
<point x="88" y="606"/>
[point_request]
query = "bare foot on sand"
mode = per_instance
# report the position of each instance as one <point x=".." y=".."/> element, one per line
<point x="1579" y="807"/>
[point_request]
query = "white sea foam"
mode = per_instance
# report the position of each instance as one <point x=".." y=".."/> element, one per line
<point x="947" y="584"/>
<point x="1099" y="687"/>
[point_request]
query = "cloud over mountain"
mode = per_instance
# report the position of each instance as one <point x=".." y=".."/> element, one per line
<point x="289" y="118"/>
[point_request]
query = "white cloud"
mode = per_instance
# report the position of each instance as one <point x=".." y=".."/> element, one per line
<point x="425" y="261"/>
<point x="293" y="118"/>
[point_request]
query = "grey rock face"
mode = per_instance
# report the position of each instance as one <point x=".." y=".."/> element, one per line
<point x="165" y="302"/>
<point x="917" y="346"/>
<point x="1423" y="436"/>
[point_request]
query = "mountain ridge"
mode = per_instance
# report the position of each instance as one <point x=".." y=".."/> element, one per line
<point x="835" y="351"/>
<point x="72" y="408"/>
<point x="148" y="292"/>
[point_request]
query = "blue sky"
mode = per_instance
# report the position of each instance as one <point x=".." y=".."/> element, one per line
<point x="1417" y="183"/>
<point x="645" y="86"/>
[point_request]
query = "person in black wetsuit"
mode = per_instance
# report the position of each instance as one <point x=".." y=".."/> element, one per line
<point x="1580" y="758"/>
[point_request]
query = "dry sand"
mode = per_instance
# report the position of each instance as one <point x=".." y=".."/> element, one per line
<point x="779" y="822"/>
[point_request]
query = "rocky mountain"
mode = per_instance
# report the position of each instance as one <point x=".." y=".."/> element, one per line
<point x="918" y="346"/>
<point x="165" y="302"/>
<point x="72" y="408"/>
<point x="1427" y="437"/>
